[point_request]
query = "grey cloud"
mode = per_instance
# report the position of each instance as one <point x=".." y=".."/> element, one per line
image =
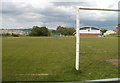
<point x="16" y="12"/>
<point x="49" y="14"/>
<point x="110" y="24"/>
<point x="8" y="8"/>
<point x="68" y="4"/>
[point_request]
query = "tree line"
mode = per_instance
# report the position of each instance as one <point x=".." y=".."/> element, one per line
<point x="44" y="31"/>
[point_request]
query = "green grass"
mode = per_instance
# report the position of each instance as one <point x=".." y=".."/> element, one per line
<point x="0" y="59"/>
<point x="55" y="56"/>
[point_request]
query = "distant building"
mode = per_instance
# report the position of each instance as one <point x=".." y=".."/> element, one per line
<point x="118" y="29"/>
<point x="57" y="35"/>
<point x="90" y="31"/>
<point x="13" y="31"/>
<point x="109" y="32"/>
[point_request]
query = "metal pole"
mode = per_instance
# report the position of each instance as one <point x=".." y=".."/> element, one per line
<point x="78" y="28"/>
<point x="98" y="9"/>
<point x="77" y="38"/>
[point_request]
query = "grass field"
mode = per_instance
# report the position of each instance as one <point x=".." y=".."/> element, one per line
<point x="0" y="59"/>
<point x="53" y="58"/>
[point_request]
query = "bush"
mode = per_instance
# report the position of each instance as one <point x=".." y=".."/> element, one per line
<point x="15" y="35"/>
<point x="39" y="31"/>
<point x="5" y="35"/>
<point x="65" y="30"/>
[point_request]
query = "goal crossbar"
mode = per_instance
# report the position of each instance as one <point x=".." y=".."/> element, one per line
<point x="99" y="9"/>
<point x="78" y="28"/>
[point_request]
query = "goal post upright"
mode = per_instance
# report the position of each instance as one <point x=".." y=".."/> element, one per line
<point x="77" y="38"/>
<point x="77" y="64"/>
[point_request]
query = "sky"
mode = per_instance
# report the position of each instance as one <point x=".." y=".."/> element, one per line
<point x="24" y="14"/>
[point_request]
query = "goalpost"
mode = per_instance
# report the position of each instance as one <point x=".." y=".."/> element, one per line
<point x="78" y="28"/>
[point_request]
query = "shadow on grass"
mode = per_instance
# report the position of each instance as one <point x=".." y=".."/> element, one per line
<point x="77" y="72"/>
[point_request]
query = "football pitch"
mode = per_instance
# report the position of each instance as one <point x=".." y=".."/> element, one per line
<point x="53" y="58"/>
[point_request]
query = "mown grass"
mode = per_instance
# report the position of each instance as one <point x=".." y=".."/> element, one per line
<point x="55" y="56"/>
<point x="0" y="59"/>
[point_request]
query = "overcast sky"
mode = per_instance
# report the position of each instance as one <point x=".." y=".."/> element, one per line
<point x="52" y="13"/>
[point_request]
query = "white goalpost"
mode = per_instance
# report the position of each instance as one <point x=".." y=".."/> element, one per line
<point x="77" y="66"/>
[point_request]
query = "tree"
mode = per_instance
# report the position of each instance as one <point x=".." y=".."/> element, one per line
<point x="70" y="31"/>
<point x="103" y="31"/>
<point x="15" y="35"/>
<point x="60" y="30"/>
<point x="7" y="34"/>
<point x="39" y="31"/>
<point x="65" y="30"/>
<point x="54" y="31"/>
<point x="44" y="31"/>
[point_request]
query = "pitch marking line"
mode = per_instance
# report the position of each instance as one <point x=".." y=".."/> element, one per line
<point x="34" y="74"/>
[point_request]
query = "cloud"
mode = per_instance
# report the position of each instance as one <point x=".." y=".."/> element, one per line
<point x="27" y="13"/>
<point x="68" y="4"/>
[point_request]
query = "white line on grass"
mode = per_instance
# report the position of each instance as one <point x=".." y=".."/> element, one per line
<point x="34" y="74"/>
